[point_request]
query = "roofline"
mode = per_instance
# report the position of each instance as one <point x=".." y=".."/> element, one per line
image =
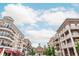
<point x="66" y="20"/>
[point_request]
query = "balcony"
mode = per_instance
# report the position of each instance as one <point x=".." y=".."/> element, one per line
<point x="61" y="39"/>
<point x="65" y="29"/>
<point x="74" y="27"/>
<point x="6" y="44"/>
<point x="6" y="37"/>
<point x="67" y="36"/>
<point x="69" y="44"/>
<point x="64" y="38"/>
<point x="7" y="29"/>
<point x="56" y="42"/>
<point x="63" y="46"/>
<point x="9" y="35"/>
<point x="75" y="34"/>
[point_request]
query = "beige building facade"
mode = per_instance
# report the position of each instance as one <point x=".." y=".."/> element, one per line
<point x="50" y="42"/>
<point x="11" y="36"/>
<point x="66" y="38"/>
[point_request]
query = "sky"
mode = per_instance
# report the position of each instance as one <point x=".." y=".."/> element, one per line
<point x="39" y="21"/>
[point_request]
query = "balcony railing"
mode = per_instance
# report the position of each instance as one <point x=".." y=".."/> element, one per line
<point x="6" y="44"/>
<point x="75" y="34"/>
<point x="8" y="28"/>
<point x="64" y="38"/>
<point x="69" y="44"/>
<point x="10" y="36"/>
<point x="63" y="45"/>
<point x="56" y="42"/>
<point x="74" y="27"/>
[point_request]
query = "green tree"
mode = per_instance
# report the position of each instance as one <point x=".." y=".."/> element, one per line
<point x="77" y="47"/>
<point x="31" y="52"/>
<point x="49" y="51"/>
<point x="53" y="51"/>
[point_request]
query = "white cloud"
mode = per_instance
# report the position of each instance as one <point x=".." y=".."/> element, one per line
<point x="21" y="14"/>
<point x="57" y="16"/>
<point x="25" y="14"/>
<point x="39" y="36"/>
<point x="42" y="43"/>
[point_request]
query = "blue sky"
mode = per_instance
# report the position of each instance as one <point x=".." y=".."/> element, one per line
<point x="39" y="21"/>
<point x="42" y="6"/>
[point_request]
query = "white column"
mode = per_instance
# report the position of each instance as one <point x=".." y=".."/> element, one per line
<point x="62" y="49"/>
<point x="67" y="49"/>
<point x="61" y="45"/>
<point x="67" y="46"/>
<point x="72" y="42"/>
<point x="63" y="52"/>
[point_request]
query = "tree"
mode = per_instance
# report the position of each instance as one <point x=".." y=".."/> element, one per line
<point x="77" y="47"/>
<point x="53" y="51"/>
<point x="31" y="52"/>
<point x="49" y="51"/>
